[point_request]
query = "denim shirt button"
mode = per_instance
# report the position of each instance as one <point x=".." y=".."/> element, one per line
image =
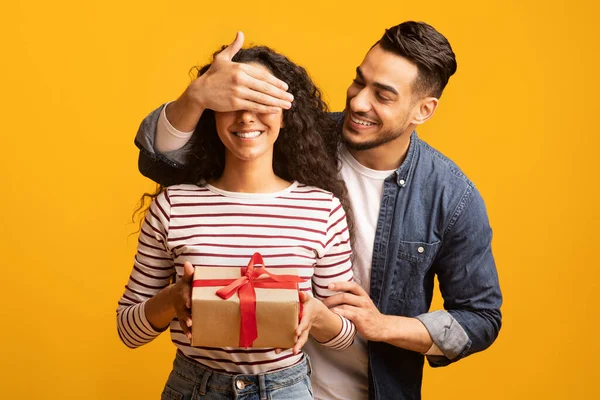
<point x="420" y="249"/>
<point x="240" y="384"/>
<point x="402" y="182"/>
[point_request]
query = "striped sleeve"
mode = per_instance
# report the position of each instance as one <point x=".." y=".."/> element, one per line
<point x="334" y="266"/>
<point x="152" y="270"/>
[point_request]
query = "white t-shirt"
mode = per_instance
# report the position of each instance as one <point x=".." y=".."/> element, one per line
<point x="344" y="374"/>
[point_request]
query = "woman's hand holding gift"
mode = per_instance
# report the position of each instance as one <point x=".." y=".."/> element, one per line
<point x="317" y="320"/>
<point x="173" y="301"/>
<point x="181" y="299"/>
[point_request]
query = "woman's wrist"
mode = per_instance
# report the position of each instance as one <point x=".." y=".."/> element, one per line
<point x="160" y="309"/>
<point x="326" y="325"/>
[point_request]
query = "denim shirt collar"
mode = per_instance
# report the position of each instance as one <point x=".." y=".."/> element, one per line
<point x="403" y="173"/>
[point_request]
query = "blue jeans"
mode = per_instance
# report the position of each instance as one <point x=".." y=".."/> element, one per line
<point x="191" y="380"/>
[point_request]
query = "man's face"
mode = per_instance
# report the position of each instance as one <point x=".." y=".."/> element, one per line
<point x="380" y="105"/>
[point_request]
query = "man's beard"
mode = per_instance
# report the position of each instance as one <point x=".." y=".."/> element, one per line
<point x="383" y="138"/>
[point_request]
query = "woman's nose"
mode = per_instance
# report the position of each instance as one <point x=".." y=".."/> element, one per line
<point x="246" y="117"/>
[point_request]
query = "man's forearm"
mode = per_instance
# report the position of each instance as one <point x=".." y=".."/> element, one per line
<point x="168" y="138"/>
<point x="184" y="113"/>
<point x="406" y="333"/>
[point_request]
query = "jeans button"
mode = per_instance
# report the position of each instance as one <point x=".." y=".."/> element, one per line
<point x="240" y="384"/>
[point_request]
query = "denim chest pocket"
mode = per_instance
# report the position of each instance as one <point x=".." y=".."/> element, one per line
<point x="413" y="261"/>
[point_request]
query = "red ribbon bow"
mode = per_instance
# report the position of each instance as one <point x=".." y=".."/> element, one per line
<point x="244" y="286"/>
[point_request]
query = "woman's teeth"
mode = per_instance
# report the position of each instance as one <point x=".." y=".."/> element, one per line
<point x="361" y="122"/>
<point x="247" y="135"/>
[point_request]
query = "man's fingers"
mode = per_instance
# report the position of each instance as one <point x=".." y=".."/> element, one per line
<point x="254" y="96"/>
<point x="333" y="301"/>
<point x="262" y="81"/>
<point x="263" y="76"/>
<point x="344" y="298"/>
<point x="233" y="48"/>
<point x="255" y="107"/>
<point x="351" y="287"/>
<point x="347" y="312"/>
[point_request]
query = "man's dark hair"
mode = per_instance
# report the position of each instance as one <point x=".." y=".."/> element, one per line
<point x="428" y="49"/>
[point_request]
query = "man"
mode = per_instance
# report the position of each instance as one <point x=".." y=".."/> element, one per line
<point x="417" y="214"/>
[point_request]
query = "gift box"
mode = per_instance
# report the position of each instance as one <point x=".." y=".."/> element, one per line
<point x="245" y="307"/>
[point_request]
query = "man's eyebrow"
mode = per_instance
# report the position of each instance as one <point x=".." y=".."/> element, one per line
<point x="387" y="88"/>
<point x="381" y="86"/>
<point x="359" y="74"/>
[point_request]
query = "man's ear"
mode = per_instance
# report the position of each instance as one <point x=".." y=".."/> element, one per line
<point x="426" y="109"/>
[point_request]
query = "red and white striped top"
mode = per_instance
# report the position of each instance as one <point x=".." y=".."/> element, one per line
<point x="300" y="227"/>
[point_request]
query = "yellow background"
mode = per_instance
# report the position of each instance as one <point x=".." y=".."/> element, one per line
<point x="76" y="78"/>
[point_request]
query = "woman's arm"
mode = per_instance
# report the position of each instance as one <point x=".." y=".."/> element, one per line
<point x="151" y="301"/>
<point x="335" y="265"/>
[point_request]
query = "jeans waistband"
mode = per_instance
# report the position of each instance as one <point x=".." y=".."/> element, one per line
<point x="239" y="384"/>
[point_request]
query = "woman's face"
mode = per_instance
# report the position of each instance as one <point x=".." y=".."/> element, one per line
<point x="249" y="136"/>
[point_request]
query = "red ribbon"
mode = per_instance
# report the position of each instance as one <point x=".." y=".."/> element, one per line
<point x="244" y="286"/>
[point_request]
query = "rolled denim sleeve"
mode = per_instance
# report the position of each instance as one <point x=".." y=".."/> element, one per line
<point x="469" y="285"/>
<point x="163" y="168"/>
<point x="446" y="333"/>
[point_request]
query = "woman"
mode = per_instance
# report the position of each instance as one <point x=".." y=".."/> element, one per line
<point x="255" y="190"/>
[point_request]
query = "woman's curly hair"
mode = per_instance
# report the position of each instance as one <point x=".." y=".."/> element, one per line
<point x="307" y="147"/>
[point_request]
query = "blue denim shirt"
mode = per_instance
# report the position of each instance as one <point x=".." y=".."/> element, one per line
<point x="432" y="222"/>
